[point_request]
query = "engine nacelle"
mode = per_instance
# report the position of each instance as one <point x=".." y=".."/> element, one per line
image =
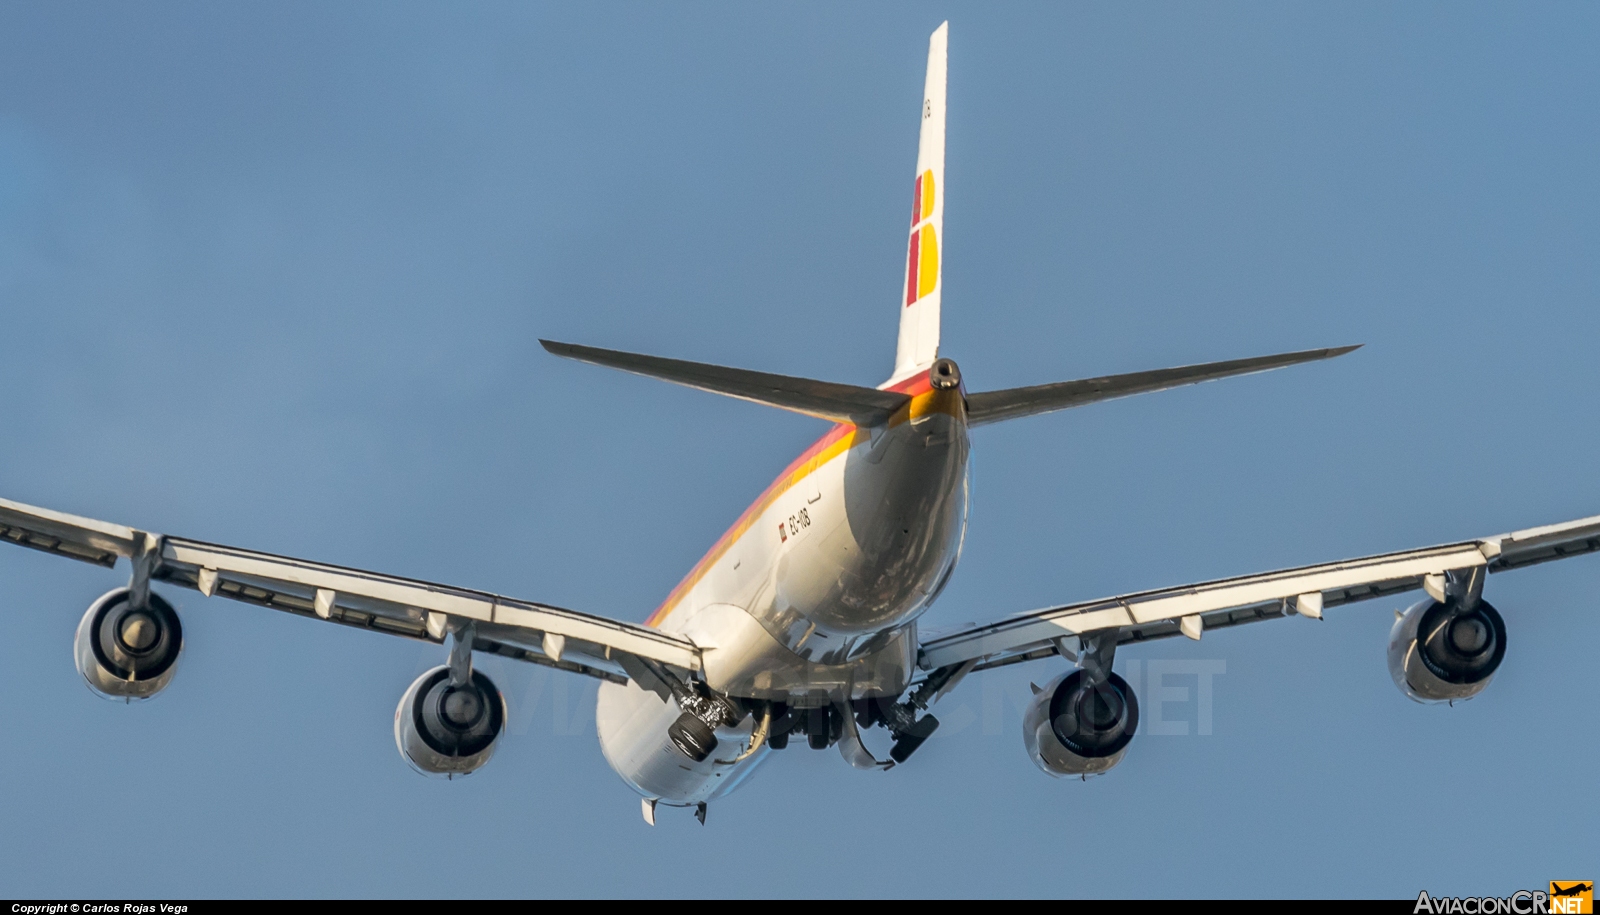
<point x="1071" y="729"/>
<point x="125" y="653"/>
<point x="1439" y="655"/>
<point x="444" y="730"/>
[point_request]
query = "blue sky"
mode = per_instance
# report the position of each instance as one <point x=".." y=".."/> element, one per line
<point x="273" y="276"/>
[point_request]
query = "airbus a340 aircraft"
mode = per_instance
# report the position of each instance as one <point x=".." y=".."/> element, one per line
<point x="802" y="620"/>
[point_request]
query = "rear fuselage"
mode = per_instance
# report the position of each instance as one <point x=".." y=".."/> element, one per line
<point x="811" y="598"/>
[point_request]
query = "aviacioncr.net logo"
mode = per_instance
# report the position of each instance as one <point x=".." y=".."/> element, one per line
<point x="1566" y="897"/>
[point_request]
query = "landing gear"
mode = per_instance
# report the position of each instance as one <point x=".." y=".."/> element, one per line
<point x="693" y="737"/>
<point x="825" y="725"/>
<point x="901" y="719"/>
<point x="694" y="734"/>
<point x="818" y="727"/>
<point x="907" y="741"/>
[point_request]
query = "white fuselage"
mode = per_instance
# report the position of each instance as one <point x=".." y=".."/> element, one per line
<point x="811" y="597"/>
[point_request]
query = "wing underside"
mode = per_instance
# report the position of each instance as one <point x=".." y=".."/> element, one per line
<point x="1163" y="613"/>
<point x="520" y="629"/>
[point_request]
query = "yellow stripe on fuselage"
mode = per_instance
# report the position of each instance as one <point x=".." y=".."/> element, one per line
<point x="925" y="400"/>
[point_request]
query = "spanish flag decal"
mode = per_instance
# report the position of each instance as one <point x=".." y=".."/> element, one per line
<point x="922" y="198"/>
<point x="922" y="256"/>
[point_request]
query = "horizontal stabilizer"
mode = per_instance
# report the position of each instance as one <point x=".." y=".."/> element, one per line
<point x="994" y="406"/>
<point x="840" y="403"/>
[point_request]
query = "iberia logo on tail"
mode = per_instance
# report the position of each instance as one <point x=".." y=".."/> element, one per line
<point x="922" y="261"/>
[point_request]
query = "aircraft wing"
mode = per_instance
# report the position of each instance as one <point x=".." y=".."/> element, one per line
<point x="519" y="629"/>
<point x="1192" y="609"/>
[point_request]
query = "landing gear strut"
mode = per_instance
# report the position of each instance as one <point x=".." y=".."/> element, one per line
<point x="694" y="733"/>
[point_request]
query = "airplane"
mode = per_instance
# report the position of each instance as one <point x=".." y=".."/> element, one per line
<point x="1577" y="889"/>
<point x="802" y="619"/>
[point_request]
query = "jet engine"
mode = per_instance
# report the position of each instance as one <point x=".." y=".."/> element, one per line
<point x="1073" y="728"/>
<point x="449" y="730"/>
<point x="128" y="653"/>
<point x="1439" y="652"/>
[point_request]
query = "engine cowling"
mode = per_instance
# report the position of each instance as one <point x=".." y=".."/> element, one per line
<point x="126" y="653"/>
<point x="445" y="730"/>
<point x="1439" y="654"/>
<point x="1074" y="729"/>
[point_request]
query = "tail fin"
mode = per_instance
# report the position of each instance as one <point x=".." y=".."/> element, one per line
<point x="919" y="318"/>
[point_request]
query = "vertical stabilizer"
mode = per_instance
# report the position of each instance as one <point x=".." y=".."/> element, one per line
<point x="919" y="311"/>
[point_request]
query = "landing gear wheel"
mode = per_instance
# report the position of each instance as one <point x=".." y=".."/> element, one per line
<point x="909" y="739"/>
<point x="692" y="737"/>
<point x="818" y="727"/>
